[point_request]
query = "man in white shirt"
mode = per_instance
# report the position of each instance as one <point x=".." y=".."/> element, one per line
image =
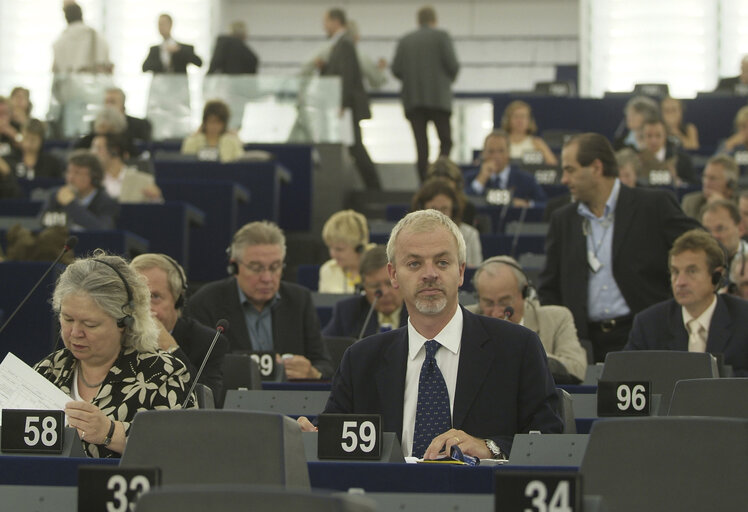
<point x="449" y="378"/>
<point x="123" y="183"/>
<point x="722" y="219"/>
<point x="79" y="48"/>
<point x="170" y="56"/>
<point x="697" y="319"/>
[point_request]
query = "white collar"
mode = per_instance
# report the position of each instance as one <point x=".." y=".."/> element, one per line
<point x="449" y="337"/>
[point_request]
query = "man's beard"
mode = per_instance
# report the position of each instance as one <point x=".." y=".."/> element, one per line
<point x="433" y="305"/>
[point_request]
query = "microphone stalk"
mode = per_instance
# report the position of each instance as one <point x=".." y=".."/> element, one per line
<point x="221" y="326"/>
<point x="377" y="296"/>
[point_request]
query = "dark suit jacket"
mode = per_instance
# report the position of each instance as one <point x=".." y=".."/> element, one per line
<point x="522" y="184"/>
<point x="728" y="84"/>
<point x="348" y="317"/>
<point x="232" y="56"/>
<point x="295" y="323"/>
<point x="426" y="64"/>
<point x="179" y="59"/>
<point x="138" y="129"/>
<point x="343" y="62"/>
<point x="101" y="213"/>
<point x="503" y="383"/>
<point x="194" y="340"/>
<point x="646" y="224"/>
<point x="660" y="327"/>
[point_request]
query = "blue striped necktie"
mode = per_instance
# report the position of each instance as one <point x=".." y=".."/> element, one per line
<point x="432" y="411"/>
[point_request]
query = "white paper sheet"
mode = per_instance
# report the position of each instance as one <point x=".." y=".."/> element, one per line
<point x="23" y="388"/>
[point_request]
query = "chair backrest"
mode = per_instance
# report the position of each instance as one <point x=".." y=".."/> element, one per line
<point x="240" y="371"/>
<point x="218" y="446"/>
<point x="548" y="449"/>
<point x="307" y="275"/>
<point x="567" y="411"/>
<point x="727" y="398"/>
<point x="663" y="368"/>
<point x="336" y="346"/>
<point x="294" y="403"/>
<point x="205" y="398"/>
<point x="240" y="498"/>
<point x="428" y="502"/>
<point x="40" y="498"/>
<point x="654" y="464"/>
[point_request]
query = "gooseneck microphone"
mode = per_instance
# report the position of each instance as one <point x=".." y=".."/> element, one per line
<point x="70" y="244"/>
<point x="508" y="312"/>
<point x="221" y="327"/>
<point x="377" y="296"/>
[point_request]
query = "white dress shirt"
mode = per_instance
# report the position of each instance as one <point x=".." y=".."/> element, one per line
<point x="448" y="360"/>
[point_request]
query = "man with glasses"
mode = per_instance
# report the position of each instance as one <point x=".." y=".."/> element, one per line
<point x="388" y="313"/>
<point x="265" y="313"/>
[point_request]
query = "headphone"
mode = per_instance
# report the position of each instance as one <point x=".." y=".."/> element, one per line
<point x="719" y="278"/>
<point x="361" y="247"/>
<point x="231" y="268"/>
<point x="127" y="320"/>
<point x="509" y="261"/>
<point x="179" y="303"/>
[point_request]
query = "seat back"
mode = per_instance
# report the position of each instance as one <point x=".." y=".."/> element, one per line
<point x="727" y="398"/>
<point x="336" y="346"/>
<point x="240" y="371"/>
<point x="218" y="446"/>
<point x="204" y="395"/>
<point x="548" y="449"/>
<point x="654" y="464"/>
<point x="663" y="368"/>
<point x="294" y="403"/>
<point x="567" y="411"/>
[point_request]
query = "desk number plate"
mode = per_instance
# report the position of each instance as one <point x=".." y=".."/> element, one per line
<point x="538" y="491"/>
<point x="623" y="398"/>
<point x="33" y="431"/>
<point x="349" y="436"/>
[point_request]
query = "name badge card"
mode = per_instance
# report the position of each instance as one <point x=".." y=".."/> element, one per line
<point x="623" y="398"/>
<point x="114" y="489"/>
<point x="538" y="491"/>
<point x="266" y="362"/>
<point x="349" y="436"/>
<point x="32" y="431"/>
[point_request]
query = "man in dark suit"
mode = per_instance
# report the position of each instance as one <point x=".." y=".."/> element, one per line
<point x="697" y="319"/>
<point x="731" y="84"/>
<point x="232" y="55"/>
<point x="343" y="62"/>
<point x="606" y="253"/>
<point x="137" y="129"/>
<point x="170" y="56"/>
<point x="264" y="313"/>
<point x="82" y="203"/>
<point x="496" y="173"/>
<point x="185" y="338"/>
<point x="659" y="153"/>
<point x="349" y="315"/>
<point x="450" y="378"/>
<point x="426" y="64"/>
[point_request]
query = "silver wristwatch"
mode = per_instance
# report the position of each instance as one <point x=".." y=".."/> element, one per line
<point x="494" y="449"/>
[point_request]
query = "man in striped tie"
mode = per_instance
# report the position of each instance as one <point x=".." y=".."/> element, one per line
<point x="448" y="378"/>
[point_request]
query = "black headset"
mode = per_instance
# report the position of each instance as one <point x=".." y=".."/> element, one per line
<point x="361" y="247"/>
<point x="506" y="260"/>
<point x="718" y="278"/>
<point x="231" y="268"/>
<point x="179" y="303"/>
<point x="127" y="320"/>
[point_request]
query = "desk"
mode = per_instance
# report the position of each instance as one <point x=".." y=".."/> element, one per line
<point x="221" y="200"/>
<point x="167" y="226"/>
<point x="115" y="241"/>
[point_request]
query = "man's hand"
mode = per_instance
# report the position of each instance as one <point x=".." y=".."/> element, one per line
<point x="306" y="425"/>
<point x="487" y="169"/>
<point x="443" y="443"/>
<point x="65" y="195"/>
<point x="518" y="202"/>
<point x="298" y="367"/>
<point x="172" y="47"/>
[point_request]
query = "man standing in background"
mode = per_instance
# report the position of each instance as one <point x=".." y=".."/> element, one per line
<point x="170" y="56"/>
<point x="426" y="64"/>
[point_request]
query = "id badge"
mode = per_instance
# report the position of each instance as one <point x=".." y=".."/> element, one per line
<point x="593" y="262"/>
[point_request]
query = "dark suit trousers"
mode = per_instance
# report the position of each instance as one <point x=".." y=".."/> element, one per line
<point x="419" y="118"/>
<point x="366" y="168"/>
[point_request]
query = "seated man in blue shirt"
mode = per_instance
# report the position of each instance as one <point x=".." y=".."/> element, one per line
<point x="349" y="315"/>
<point x="496" y="173"/>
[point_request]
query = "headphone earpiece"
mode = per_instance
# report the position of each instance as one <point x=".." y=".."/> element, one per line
<point x="361" y="247"/>
<point x="232" y="268"/>
<point x="126" y="321"/>
<point x="717" y="278"/>
<point x="179" y="303"/>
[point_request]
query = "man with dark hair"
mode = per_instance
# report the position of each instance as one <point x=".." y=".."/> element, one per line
<point x="82" y="203"/>
<point x="718" y="181"/>
<point x="170" y="56"/>
<point x="697" y="319"/>
<point x="426" y="64"/>
<point x="343" y="62"/>
<point x="349" y="315"/>
<point x="607" y="251"/>
<point x="79" y="48"/>
<point x="124" y="183"/>
<point x="659" y="153"/>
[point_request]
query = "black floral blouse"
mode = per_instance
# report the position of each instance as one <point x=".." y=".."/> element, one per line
<point x="136" y="382"/>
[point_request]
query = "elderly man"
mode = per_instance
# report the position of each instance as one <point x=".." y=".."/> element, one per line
<point x="697" y="319"/>
<point x="185" y="338"/>
<point x="502" y="284"/>
<point x="265" y="313"/>
<point x="719" y="181"/>
<point x="607" y="251"/>
<point x="349" y="315"/>
<point x="137" y="129"/>
<point x="170" y="56"/>
<point x="722" y="219"/>
<point x="82" y="203"/>
<point x="450" y="378"/>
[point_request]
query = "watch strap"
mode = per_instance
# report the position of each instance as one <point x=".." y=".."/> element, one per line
<point x="108" y="438"/>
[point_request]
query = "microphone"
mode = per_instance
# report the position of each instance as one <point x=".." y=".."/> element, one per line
<point x="70" y="244"/>
<point x="520" y="224"/>
<point x="221" y="327"/>
<point x="377" y="296"/>
<point x="508" y="312"/>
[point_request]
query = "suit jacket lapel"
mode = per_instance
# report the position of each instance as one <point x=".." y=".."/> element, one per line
<point x="719" y="328"/>
<point x="475" y="362"/>
<point x="678" y="334"/>
<point x="390" y="382"/>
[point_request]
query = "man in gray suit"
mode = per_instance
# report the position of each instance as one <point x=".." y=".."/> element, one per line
<point x="426" y="64"/>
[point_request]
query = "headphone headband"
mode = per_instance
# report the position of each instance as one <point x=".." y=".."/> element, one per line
<point x="179" y="302"/>
<point x="509" y="261"/>
<point x="127" y="320"/>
